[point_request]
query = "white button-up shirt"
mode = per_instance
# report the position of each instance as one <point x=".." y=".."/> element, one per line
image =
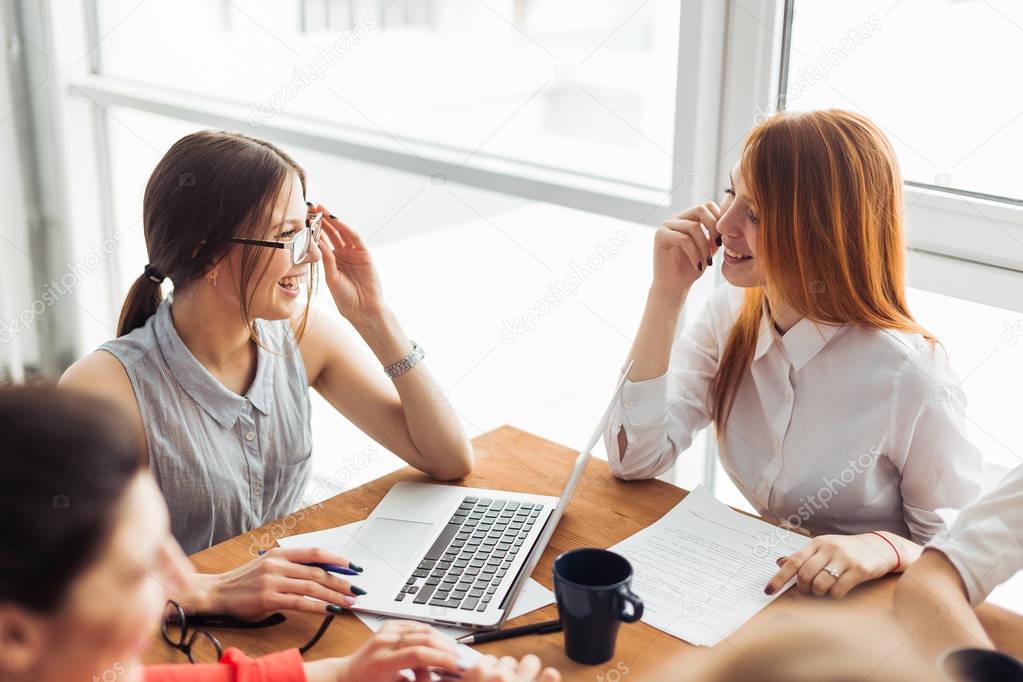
<point x="985" y="543"/>
<point x="834" y="428"/>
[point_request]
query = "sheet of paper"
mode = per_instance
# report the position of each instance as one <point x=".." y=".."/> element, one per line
<point x="532" y="597"/>
<point x="701" y="568"/>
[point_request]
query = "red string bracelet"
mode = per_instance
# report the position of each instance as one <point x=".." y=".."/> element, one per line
<point x="898" y="558"/>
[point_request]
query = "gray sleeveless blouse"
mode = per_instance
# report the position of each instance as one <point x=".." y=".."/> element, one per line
<point x="226" y="463"/>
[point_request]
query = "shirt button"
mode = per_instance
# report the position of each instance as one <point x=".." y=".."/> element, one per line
<point x="249" y="435"/>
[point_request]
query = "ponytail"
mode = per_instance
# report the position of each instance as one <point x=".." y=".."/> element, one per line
<point x="142" y="301"/>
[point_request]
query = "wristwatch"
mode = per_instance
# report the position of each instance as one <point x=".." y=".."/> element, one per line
<point x="406" y="363"/>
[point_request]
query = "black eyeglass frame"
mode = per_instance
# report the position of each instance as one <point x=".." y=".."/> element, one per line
<point x="310" y="234"/>
<point x="187" y="624"/>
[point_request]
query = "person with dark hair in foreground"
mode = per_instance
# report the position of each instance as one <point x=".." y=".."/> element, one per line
<point x="88" y="563"/>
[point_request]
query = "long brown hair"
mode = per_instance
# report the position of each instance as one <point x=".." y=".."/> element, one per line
<point x="210" y="186"/>
<point x="828" y="191"/>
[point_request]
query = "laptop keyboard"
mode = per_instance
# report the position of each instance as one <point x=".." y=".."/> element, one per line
<point x="471" y="556"/>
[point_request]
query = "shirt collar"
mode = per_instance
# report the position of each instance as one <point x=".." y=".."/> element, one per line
<point x="224" y="405"/>
<point x="800" y="343"/>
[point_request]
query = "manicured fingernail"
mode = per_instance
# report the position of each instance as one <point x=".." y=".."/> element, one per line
<point x="699" y="266"/>
<point x="768" y="590"/>
<point x="332" y="216"/>
<point x="308" y="203"/>
<point x="710" y="262"/>
<point x="335" y="609"/>
<point x="358" y="590"/>
<point x="718" y="240"/>
<point x="780" y="560"/>
<point x="355" y="567"/>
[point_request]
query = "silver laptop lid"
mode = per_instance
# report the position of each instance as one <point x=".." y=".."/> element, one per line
<point x="566" y="496"/>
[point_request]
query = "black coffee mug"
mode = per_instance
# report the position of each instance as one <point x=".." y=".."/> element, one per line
<point x="981" y="665"/>
<point x="592" y="589"/>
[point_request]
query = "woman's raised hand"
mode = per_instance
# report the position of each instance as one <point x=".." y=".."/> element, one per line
<point x="348" y="270"/>
<point x="684" y="247"/>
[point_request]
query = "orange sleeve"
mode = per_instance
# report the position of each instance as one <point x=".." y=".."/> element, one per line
<point x="234" y="666"/>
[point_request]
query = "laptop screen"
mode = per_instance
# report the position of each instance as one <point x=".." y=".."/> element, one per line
<point x="584" y="455"/>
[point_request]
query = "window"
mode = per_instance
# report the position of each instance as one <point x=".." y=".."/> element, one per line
<point x="585" y="86"/>
<point x="932" y="74"/>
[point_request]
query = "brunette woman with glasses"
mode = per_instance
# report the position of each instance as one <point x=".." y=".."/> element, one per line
<point x="215" y="377"/>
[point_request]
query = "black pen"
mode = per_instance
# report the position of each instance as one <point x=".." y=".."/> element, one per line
<point x="533" y="629"/>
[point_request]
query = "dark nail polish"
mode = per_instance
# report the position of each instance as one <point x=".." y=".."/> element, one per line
<point x="334" y="217"/>
<point x="358" y="591"/>
<point x="335" y="609"/>
<point x="699" y="266"/>
<point x="769" y="590"/>
<point x="355" y="567"/>
<point x="308" y="203"/>
<point x="780" y="560"/>
<point x="718" y="241"/>
<point x="710" y="262"/>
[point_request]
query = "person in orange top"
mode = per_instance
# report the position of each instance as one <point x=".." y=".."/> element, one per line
<point x="88" y="563"/>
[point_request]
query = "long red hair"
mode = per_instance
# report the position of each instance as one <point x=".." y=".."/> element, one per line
<point x="828" y="192"/>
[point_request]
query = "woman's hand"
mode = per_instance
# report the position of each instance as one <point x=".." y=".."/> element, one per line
<point x="275" y="581"/>
<point x="400" y="645"/>
<point x="507" y="669"/>
<point x="684" y="247"/>
<point x="348" y="269"/>
<point x="855" y="558"/>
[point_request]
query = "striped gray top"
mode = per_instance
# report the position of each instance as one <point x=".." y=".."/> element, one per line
<point x="226" y="463"/>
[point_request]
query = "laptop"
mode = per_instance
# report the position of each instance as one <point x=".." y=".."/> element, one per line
<point x="451" y="555"/>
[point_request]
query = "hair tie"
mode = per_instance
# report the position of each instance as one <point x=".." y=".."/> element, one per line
<point x="153" y="274"/>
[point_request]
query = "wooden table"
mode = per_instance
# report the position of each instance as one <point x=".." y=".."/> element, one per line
<point x="603" y="512"/>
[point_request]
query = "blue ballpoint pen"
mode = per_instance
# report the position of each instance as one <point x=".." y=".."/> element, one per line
<point x="332" y="568"/>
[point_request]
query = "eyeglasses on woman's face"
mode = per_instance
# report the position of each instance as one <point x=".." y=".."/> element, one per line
<point x="299" y="243"/>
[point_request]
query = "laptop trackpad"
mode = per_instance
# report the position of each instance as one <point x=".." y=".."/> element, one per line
<point x="394" y="540"/>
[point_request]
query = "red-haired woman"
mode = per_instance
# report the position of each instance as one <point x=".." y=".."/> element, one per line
<point x="834" y="410"/>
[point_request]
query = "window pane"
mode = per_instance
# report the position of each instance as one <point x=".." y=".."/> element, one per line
<point x="581" y="85"/>
<point x="985" y="347"/>
<point x="935" y="74"/>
